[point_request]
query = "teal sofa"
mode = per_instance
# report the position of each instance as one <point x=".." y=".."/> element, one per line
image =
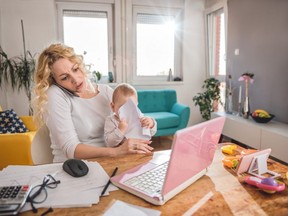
<point x="163" y="107"/>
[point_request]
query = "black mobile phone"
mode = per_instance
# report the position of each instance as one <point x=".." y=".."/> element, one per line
<point x="64" y="89"/>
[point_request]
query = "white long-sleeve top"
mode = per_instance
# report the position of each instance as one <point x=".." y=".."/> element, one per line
<point x="73" y="120"/>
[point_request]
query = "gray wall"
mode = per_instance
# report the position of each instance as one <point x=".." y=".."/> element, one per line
<point x="259" y="29"/>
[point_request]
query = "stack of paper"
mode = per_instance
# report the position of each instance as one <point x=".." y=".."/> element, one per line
<point x="71" y="192"/>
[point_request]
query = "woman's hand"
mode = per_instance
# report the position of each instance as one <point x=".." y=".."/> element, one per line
<point x="134" y="146"/>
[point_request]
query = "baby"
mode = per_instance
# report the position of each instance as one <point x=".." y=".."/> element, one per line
<point x="115" y="128"/>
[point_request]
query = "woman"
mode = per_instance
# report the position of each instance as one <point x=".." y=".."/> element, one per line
<point x="73" y="109"/>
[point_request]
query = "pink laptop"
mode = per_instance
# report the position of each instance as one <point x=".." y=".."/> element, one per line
<point x="162" y="178"/>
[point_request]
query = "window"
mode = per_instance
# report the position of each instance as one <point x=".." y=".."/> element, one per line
<point x="137" y="41"/>
<point x="88" y="29"/>
<point x="216" y="44"/>
<point x="157" y="43"/>
<point x="216" y="40"/>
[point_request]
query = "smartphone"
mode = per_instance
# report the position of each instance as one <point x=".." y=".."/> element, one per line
<point x="64" y="89"/>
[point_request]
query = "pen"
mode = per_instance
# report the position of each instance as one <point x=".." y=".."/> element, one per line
<point x="108" y="183"/>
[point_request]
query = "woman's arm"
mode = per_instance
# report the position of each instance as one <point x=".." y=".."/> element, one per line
<point x="129" y="146"/>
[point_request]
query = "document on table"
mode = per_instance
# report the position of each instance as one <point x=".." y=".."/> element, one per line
<point x="118" y="207"/>
<point x="71" y="192"/>
<point x="132" y="114"/>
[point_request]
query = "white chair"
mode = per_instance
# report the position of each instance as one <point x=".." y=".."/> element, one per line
<point x="41" y="151"/>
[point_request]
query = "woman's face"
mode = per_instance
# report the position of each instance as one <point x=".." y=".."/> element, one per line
<point x="68" y="75"/>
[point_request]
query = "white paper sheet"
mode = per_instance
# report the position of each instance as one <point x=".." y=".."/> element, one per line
<point x="131" y="113"/>
<point x="120" y="208"/>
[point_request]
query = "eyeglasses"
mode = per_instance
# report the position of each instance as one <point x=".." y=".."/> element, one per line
<point x="39" y="193"/>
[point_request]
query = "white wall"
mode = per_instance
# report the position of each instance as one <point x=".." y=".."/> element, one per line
<point x="39" y="18"/>
<point x="41" y="29"/>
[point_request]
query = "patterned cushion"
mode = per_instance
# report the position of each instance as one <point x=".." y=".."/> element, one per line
<point x="11" y="123"/>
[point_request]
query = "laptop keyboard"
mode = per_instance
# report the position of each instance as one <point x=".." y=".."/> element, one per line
<point x="149" y="182"/>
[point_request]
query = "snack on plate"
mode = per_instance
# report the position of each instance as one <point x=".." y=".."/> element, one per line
<point x="229" y="149"/>
<point x="231" y="161"/>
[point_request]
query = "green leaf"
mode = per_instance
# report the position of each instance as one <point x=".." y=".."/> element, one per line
<point x="205" y="99"/>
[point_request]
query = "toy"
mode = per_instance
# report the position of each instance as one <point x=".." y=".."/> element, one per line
<point x="268" y="185"/>
<point x="269" y="181"/>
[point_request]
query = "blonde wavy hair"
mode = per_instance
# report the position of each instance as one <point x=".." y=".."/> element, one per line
<point x="43" y="75"/>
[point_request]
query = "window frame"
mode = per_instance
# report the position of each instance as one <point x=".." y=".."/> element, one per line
<point x="221" y="5"/>
<point x="108" y="8"/>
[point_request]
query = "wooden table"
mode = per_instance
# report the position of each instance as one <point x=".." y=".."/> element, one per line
<point x="225" y="193"/>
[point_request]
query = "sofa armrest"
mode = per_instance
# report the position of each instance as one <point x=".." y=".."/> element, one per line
<point x="15" y="149"/>
<point x="183" y="111"/>
<point x="178" y="108"/>
<point x="29" y="123"/>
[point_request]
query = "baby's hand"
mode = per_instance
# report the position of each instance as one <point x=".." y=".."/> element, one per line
<point x="147" y="122"/>
<point x="123" y="125"/>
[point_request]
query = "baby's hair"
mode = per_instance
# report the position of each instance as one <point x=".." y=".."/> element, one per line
<point x="123" y="89"/>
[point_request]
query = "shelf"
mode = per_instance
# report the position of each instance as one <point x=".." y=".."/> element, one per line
<point x="272" y="135"/>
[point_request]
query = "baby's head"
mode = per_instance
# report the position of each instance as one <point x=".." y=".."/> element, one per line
<point x="121" y="94"/>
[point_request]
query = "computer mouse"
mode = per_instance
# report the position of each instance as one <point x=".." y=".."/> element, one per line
<point x="75" y="167"/>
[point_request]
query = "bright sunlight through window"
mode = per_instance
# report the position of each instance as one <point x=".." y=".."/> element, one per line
<point x="155" y="44"/>
<point x="87" y="33"/>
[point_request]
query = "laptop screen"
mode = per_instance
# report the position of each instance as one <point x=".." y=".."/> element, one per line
<point x="193" y="150"/>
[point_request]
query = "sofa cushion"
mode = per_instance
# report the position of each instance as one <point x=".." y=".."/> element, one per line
<point x="11" y="123"/>
<point x="156" y="100"/>
<point x="165" y="119"/>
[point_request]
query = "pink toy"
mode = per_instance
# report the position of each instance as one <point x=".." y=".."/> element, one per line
<point x="269" y="185"/>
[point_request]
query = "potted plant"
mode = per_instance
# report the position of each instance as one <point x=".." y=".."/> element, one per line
<point x="6" y="69"/>
<point x="18" y="71"/>
<point x="209" y="99"/>
<point x="97" y="75"/>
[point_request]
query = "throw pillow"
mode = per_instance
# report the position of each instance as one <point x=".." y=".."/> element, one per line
<point x="11" y="123"/>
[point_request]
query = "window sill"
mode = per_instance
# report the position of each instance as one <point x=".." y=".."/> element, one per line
<point x="143" y="83"/>
<point x="157" y="83"/>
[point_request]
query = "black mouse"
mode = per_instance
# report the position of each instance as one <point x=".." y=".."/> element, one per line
<point x="75" y="167"/>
